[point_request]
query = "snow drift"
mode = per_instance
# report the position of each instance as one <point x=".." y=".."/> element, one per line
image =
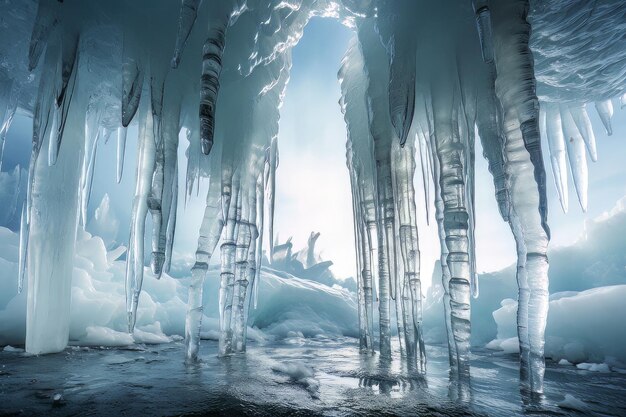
<point x="584" y="326"/>
<point x="288" y="306"/>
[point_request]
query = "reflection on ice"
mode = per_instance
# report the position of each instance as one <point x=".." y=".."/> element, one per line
<point x="323" y="376"/>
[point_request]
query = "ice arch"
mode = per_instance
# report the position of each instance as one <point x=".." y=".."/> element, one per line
<point x="420" y="75"/>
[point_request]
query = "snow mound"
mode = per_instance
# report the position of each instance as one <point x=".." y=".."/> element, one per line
<point x="582" y="327"/>
<point x="286" y="304"/>
<point x="572" y="403"/>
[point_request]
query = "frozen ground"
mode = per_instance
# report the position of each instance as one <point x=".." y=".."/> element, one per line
<point x="294" y="377"/>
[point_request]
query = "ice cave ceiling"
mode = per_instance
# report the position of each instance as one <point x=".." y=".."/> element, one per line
<point x="419" y="79"/>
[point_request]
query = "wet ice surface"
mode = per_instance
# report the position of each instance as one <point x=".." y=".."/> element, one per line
<point x="297" y="377"/>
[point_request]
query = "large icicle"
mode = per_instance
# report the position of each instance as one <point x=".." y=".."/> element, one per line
<point x="211" y="69"/>
<point x="210" y="232"/>
<point x="581" y="118"/>
<point x="558" y="153"/>
<point x="411" y="290"/>
<point x="10" y="93"/>
<point x="52" y="224"/>
<point x="396" y="20"/>
<point x="271" y="191"/>
<point x="577" y="155"/>
<point x="163" y="180"/>
<point x="382" y="134"/>
<point x="186" y="20"/>
<point x="135" y="257"/>
<point x="515" y="88"/>
<point x="121" y="151"/>
<point x="228" y="253"/>
<point x="360" y="164"/>
<point x="605" y="111"/>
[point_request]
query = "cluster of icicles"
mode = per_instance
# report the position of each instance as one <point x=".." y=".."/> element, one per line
<point x="407" y="90"/>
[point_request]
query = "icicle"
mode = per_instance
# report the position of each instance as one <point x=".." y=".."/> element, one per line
<point x="65" y="91"/>
<point x="260" y="216"/>
<point x="12" y="93"/>
<point x="193" y="163"/>
<point x="210" y="84"/>
<point x="558" y="156"/>
<point x="451" y="152"/>
<point x="88" y="171"/>
<point x="155" y="199"/>
<point x="581" y="118"/>
<point x="162" y="186"/>
<point x="45" y="22"/>
<point x="210" y="232"/>
<point x="443" y="259"/>
<point x="135" y="258"/>
<point x="23" y="249"/>
<point x="382" y="132"/>
<point x="426" y="174"/>
<point x="171" y="224"/>
<point x="133" y="73"/>
<point x="408" y="242"/>
<point x="271" y="192"/>
<point x="483" y="24"/>
<point x="401" y="51"/>
<point x="605" y="111"/>
<point x="121" y="151"/>
<point x="576" y="154"/>
<point x="622" y="101"/>
<point x="360" y="162"/>
<point x="488" y="123"/>
<point x="227" y="276"/>
<point x="52" y="224"/>
<point x="515" y="88"/>
<point x="186" y="20"/>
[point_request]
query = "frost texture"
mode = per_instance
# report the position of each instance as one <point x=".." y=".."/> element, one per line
<point x="217" y="71"/>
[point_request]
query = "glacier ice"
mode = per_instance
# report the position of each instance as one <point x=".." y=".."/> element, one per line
<point x="217" y="71"/>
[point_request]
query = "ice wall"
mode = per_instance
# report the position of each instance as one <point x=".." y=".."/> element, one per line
<point x="85" y="70"/>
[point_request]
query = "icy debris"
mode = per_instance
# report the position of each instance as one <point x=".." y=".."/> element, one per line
<point x="594" y="367"/>
<point x="565" y="362"/>
<point x="572" y="403"/>
<point x="300" y="374"/>
<point x="9" y="348"/>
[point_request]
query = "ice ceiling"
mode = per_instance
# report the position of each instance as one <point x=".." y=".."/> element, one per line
<point x="419" y="80"/>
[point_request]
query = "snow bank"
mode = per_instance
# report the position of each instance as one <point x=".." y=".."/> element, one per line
<point x="597" y="259"/>
<point x="584" y="326"/>
<point x="98" y="313"/>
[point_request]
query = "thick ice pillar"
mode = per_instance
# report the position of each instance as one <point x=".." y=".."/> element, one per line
<point x="452" y="154"/>
<point x="210" y="232"/>
<point x="53" y="221"/>
<point x="410" y="292"/>
<point x="515" y="88"/>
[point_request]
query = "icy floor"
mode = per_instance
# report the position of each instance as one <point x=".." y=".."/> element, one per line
<point x="298" y="377"/>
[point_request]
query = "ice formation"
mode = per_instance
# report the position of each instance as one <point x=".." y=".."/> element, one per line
<point x="218" y="70"/>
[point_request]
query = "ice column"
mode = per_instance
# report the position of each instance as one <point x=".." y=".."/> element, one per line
<point x="360" y="162"/>
<point x="210" y="232"/>
<point x="515" y="88"/>
<point x="52" y="214"/>
<point x="411" y="290"/>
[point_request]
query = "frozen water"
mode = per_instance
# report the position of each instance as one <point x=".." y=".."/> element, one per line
<point x="218" y="71"/>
